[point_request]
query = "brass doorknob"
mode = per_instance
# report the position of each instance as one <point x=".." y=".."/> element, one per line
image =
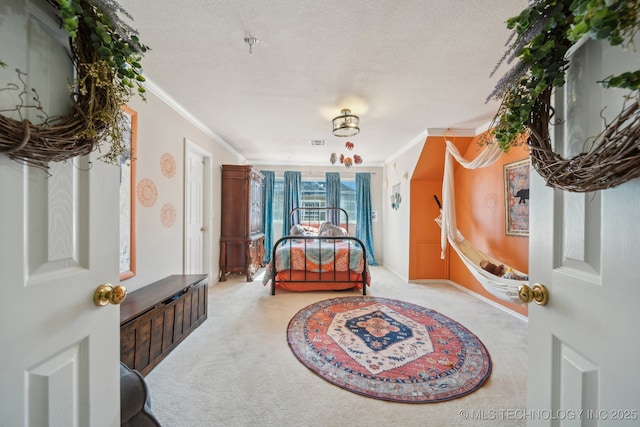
<point x="537" y="293"/>
<point x="108" y="294"/>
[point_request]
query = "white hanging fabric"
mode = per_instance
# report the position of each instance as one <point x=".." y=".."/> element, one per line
<point x="487" y="157"/>
<point x="503" y="288"/>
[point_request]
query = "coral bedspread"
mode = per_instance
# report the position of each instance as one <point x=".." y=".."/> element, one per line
<point x="318" y="264"/>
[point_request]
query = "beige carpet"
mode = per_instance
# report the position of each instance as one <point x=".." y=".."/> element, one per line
<point x="236" y="369"/>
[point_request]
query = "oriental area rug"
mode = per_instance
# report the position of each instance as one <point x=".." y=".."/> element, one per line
<point x="388" y="349"/>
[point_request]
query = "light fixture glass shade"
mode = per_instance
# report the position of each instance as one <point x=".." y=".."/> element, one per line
<point x="346" y="124"/>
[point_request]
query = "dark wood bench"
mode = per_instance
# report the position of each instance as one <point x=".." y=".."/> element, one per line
<point x="156" y="318"/>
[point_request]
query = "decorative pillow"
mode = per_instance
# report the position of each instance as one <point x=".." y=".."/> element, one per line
<point x="311" y="231"/>
<point x="297" y="230"/>
<point x="323" y="228"/>
<point x="328" y="229"/>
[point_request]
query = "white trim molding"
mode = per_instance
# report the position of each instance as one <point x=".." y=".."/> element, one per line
<point x="167" y="99"/>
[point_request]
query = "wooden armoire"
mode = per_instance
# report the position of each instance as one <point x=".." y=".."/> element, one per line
<point x="241" y="236"/>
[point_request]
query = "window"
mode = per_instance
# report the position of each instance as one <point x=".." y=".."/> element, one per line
<point x="348" y="200"/>
<point x="314" y="194"/>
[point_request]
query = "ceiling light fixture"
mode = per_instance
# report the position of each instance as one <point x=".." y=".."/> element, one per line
<point x="346" y="125"/>
<point x="250" y="41"/>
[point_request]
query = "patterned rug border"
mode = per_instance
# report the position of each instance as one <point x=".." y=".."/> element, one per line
<point x="410" y="391"/>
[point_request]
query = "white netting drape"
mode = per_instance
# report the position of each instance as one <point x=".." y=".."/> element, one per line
<point x="487" y="157"/>
<point x="503" y="288"/>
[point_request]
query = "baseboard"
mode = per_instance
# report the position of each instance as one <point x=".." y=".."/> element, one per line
<point x="476" y="295"/>
<point x="405" y="279"/>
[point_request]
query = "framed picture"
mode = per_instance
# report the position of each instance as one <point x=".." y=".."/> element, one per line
<point x="127" y="197"/>
<point x="516" y="198"/>
<point x="395" y="197"/>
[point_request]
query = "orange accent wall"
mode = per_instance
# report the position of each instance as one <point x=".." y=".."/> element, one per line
<point x="480" y="212"/>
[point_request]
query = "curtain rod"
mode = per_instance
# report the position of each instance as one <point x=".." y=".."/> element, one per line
<point x="320" y="173"/>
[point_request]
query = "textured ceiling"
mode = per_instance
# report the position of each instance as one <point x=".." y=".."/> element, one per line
<point x="408" y="68"/>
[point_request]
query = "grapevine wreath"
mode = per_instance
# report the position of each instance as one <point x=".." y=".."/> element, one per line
<point x="543" y="33"/>
<point x="106" y="54"/>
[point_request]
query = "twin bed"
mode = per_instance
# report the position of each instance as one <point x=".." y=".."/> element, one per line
<point x="318" y="256"/>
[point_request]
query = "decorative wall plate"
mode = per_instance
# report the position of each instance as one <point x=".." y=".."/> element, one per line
<point x="168" y="165"/>
<point x="168" y="215"/>
<point x="147" y="192"/>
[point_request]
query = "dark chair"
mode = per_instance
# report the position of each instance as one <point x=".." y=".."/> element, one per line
<point x="135" y="400"/>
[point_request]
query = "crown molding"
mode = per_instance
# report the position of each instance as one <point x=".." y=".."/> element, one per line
<point x="419" y="139"/>
<point x="451" y="132"/>
<point x="171" y="102"/>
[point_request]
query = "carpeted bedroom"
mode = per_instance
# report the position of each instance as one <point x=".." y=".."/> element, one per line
<point x="238" y="367"/>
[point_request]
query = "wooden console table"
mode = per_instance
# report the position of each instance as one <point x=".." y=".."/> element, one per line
<point x="156" y="318"/>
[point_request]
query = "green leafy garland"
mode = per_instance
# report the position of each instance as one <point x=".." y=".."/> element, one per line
<point x="116" y="42"/>
<point x="116" y="69"/>
<point x="542" y="35"/>
<point x="106" y="53"/>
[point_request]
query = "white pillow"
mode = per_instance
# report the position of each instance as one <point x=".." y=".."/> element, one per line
<point x="297" y="230"/>
<point x="332" y="230"/>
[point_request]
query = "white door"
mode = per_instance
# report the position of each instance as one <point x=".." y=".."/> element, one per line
<point x="583" y="345"/>
<point x="196" y="216"/>
<point x="59" y="356"/>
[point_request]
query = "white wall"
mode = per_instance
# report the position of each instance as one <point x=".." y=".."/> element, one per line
<point x="398" y="170"/>
<point x="162" y="129"/>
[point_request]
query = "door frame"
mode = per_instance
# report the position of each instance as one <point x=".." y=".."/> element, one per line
<point x="207" y="215"/>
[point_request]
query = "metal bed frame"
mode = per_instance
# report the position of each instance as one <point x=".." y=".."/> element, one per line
<point x="318" y="240"/>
